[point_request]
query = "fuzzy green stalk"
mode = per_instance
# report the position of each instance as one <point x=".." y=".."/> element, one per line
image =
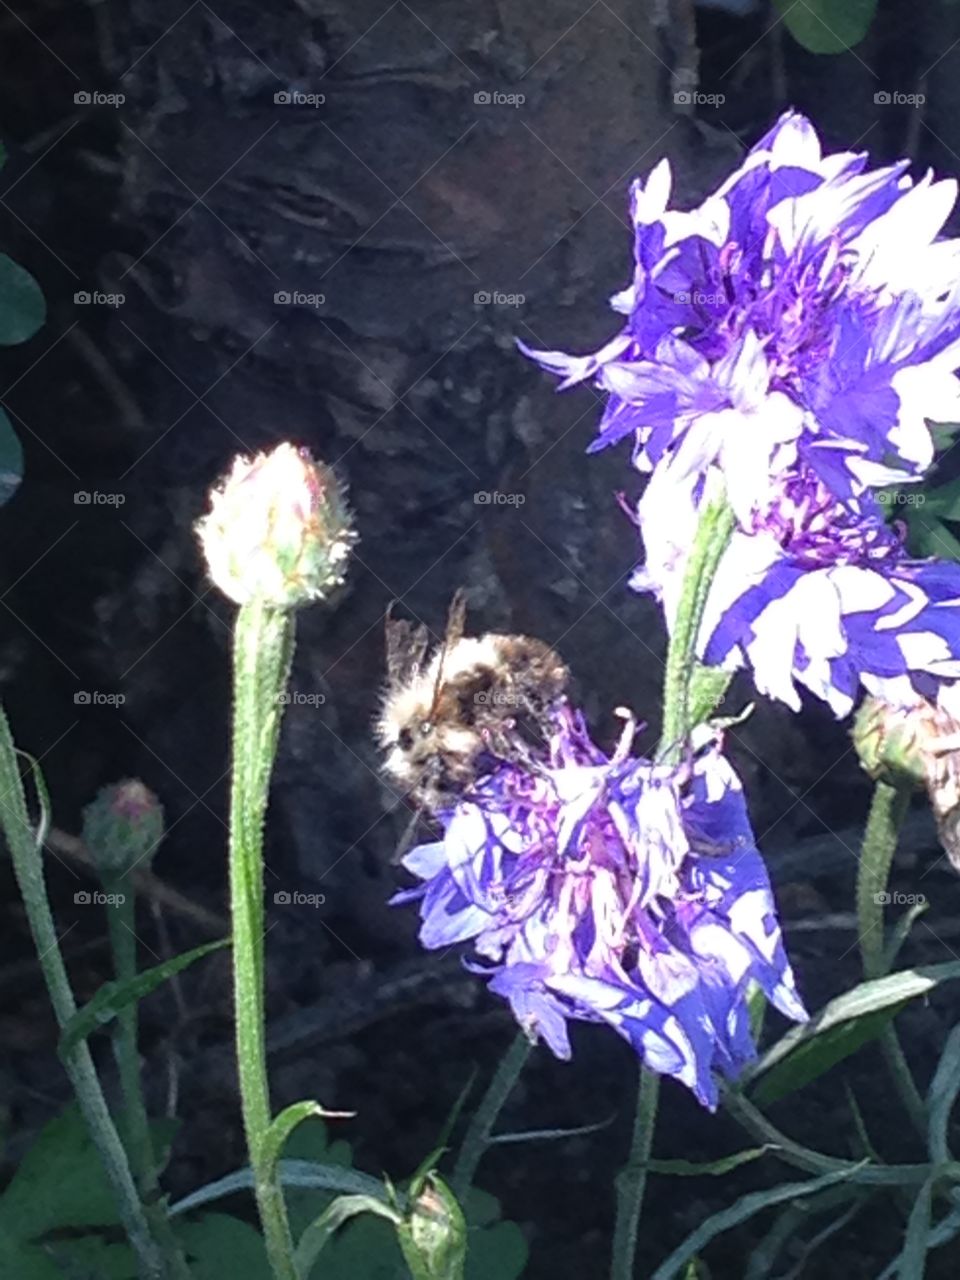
<point x="135" y="1129"/>
<point x="263" y="648"/>
<point x="27" y="861"/>
<point x="477" y="1137"/>
<point x="713" y="536"/>
<point x="887" y="812"/>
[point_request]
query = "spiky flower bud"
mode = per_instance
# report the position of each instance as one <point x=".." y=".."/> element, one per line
<point x="894" y="743"/>
<point x="123" y="826"/>
<point x="278" y="529"/>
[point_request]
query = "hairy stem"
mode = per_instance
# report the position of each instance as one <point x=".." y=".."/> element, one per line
<point x="887" y="811"/>
<point x="477" y="1137"/>
<point x="263" y="647"/>
<point x="632" y="1178"/>
<point x="28" y="868"/>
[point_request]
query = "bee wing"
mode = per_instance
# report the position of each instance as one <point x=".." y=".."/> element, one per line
<point x="407" y="645"/>
<point x="456" y="621"/>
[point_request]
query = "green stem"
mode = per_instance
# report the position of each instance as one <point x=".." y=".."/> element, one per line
<point x="887" y="811"/>
<point x="263" y="648"/>
<point x="477" y="1137"/>
<point x="632" y="1179"/>
<point x="121" y="922"/>
<point x="28" y="869"/>
<point x="713" y="536"/>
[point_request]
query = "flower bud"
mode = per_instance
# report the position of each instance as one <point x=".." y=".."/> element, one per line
<point x="278" y="529"/>
<point x="433" y="1236"/>
<point x="890" y="741"/>
<point x="123" y="826"/>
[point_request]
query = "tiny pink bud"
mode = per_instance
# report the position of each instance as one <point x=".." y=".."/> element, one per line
<point x="123" y="826"/>
<point x="278" y="529"/>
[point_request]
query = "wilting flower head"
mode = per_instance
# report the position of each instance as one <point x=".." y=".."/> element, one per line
<point x="122" y="826"/>
<point x="613" y="890"/>
<point x="804" y="311"/>
<point x="811" y="592"/>
<point x="278" y="529"/>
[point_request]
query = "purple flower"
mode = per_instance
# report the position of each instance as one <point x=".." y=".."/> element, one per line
<point x="812" y="592"/>
<point x="613" y="890"/>
<point x="804" y="313"/>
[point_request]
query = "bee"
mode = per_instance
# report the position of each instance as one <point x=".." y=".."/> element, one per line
<point x="450" y="713"/>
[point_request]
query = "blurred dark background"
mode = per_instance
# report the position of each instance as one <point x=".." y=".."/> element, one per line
<point x="328" y="223"/>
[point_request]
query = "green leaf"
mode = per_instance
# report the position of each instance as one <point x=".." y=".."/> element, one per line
<point x="11" y="460"/>
<point x="901" y="931"/>
<point x="295" y="1174"/>
<point x="941" y="1098"/>
<point x="827" y="26"/>
<point x="871" y="997"/>
<point x="744" y="1209"/>
<point x="115" y="996"/>
<point x="321" y="1231"/>
<point x="218" y="1246"/>
<point x="715" y="1168"/>
<point x="59" y="1184"/>
<point x="813" y="1058"/>
<point x="283" y="1125"/>
<point x="22" y="308"/>
<point x="947" y="1229"/>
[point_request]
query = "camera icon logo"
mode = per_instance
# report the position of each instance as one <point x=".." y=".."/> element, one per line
<point x="82" y="298"/>
<point x="283" y="298"/>
<point x="882" y="98"/>
<point x="481" y="298"/>
<point x="81" y="698"/>
<point x="882" y="899"/>
<point x="81" y="498"/>
<point x="282" y="98"/>
<point x="481" y="497"/>
<point x="282" y="898"/>
<point x="82" y="98"/>
<point x="683" y="98"/>
<point x="284" y="699"/>
<point x="81" y="898"/>
<point x="482" y="98"/>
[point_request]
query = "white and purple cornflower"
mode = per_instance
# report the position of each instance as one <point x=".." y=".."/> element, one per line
<point x="811" y="591"/>
<point x="803" y="315"/>
<point x="617" y="891"/>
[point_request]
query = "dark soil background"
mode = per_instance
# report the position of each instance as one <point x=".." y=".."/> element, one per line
<point x="405" y="200"/>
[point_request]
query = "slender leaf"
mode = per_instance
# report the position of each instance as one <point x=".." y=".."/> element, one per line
<point x="869" y="997"/>
<point x="901" y="931"/>
<point x="283" y="1125"/>
<point x="744" y="1209"/>
<point x="551" y="1135"/>
<point x="114" y="996"/>
<point x="913" y="1260"/>
<point x="307" y="1174"/>
<point x="714" y="1168"/>
<point x="942" y="1095"/>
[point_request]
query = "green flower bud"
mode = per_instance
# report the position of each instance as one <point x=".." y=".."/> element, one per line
<point x="123" y="827"/>
<point x="278" y="529"/>
<point x="433" y="1236"/>
<point x="894" y="744"/>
